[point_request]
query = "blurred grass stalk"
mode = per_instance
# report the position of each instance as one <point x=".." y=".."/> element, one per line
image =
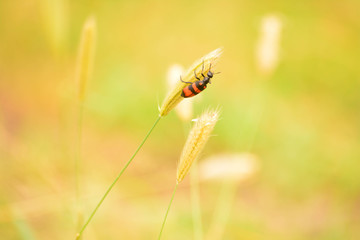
<point x="194" y="145"/>
<point x="222" y="210"/>
<point x="84" y="68"/>
<point x="267" y="58"/>
<point x="195" y="202"/>
<point x="231" y="169"/>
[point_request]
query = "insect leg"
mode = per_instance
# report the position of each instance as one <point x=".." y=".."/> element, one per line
<point x="202" y="70"/>
<point x="195" y="75"/>
<point x="184" y="82"/>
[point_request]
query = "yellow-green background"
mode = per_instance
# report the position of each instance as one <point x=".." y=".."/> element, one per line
<point x="307" y="139"/>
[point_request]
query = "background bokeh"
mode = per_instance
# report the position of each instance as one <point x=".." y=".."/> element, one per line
<point x="301" y="121"/>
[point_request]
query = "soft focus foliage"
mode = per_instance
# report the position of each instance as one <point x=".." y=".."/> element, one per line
<point x="301" y="119"/>
<point x="226" y="166"/>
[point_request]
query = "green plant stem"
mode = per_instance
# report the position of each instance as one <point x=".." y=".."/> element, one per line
<point x="78" y="235"/>
<point x="195" y="202"/>
<point x="167" y="211"/>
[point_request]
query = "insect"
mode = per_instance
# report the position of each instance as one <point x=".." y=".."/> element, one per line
<point x="197" y="87"/>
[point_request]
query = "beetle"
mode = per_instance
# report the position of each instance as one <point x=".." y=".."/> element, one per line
<point x="197" y="87"/>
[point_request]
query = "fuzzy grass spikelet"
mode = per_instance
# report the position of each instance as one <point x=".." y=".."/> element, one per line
<point x="174" y="96"/>
<point x="196" y="141"/>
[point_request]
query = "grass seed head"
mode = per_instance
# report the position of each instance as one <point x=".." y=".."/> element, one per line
<point x="196" y="141"/>
<point x="85" y="56"/>
<point x="174" y="96"/>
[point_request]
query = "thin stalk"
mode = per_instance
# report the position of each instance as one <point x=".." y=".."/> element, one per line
<point x="167" y="211"/>
<point x="223" y="210"/>
<point x="256" y="111"/>
<point x="195" y="202"/>
<point x="228" y="191"/>
<point x="78" y="163"/>
<point x="78" y="235"/>
<point x="195" y="198"/>
<point x="78" y="150"/>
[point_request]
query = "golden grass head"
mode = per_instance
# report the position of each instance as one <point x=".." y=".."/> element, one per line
<point x="174" y="96"/>
<point x="85" y="56"/>
<point x="196" y="141"/>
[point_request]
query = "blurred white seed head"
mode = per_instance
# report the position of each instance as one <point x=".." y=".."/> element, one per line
<point x="235" y="167"/>
<point x="196" y="141"/>
<point x="173" y="74"/>
<point x="185" y="108"/>
<point x="174" y="96"/>
<point x="267" y="52"/>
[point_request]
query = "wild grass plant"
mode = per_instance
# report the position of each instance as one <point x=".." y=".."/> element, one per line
<point x="170" y="102"/>
<point x="195" y="143"/>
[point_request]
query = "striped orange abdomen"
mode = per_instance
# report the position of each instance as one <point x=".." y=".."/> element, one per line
<point x="193" y="89"/>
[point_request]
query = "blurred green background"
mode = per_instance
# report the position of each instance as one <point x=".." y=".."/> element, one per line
<point x="301" y="121"/>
